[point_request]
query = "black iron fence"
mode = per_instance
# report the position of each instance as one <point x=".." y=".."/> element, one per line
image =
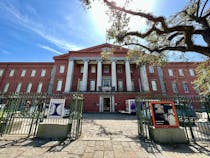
<point x="21" y="114"/>
<point x="193" y="115"/>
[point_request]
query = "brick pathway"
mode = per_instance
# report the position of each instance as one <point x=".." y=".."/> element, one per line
<point x="110" y="127"/>
<point x="103" y="136"/>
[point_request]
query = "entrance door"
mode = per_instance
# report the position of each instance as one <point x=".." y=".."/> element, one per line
<point x="107" y="104"/>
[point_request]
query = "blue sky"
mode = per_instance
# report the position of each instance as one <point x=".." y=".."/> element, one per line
<point x="37" y="30"/>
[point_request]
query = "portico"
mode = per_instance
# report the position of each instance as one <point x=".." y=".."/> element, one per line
<point x="106" y="79"/>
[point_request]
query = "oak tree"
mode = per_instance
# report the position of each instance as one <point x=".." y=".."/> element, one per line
<point x="161" y="35"/>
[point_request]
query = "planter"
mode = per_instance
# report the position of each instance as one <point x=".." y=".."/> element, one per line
<point x="168" y="135"/>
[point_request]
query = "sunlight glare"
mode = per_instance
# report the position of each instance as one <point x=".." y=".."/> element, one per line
<point x="101" y="20"/>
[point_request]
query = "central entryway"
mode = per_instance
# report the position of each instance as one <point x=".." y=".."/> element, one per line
<point x="107" y="103"/>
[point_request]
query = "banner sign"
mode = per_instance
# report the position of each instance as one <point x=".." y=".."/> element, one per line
<point x="130" y="106"/>
<point x="164" y="114"/>
<point x="56" y="108"/>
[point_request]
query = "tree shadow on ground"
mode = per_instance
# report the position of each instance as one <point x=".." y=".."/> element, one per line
<point x="106" y="132"/>
<point x="52" y="145"/>
<point x="154" y="148"/>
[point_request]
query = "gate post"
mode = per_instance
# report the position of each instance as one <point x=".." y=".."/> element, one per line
<point x="75" y="118"/>
<point x="207" y="106"/>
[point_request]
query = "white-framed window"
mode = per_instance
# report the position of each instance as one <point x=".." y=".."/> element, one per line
<point x="106" y="69"/>
<point x="92" y="85"/>
<point x="62" y="69"/>
<point x="82" y="69"/>
<point x="1" y="72"/>
<point x="106" y="83"/>
<point x="119" y="69"/>
<point x="170" y="72"/>
<point x="43" y="72"/>
<point x="6" y="87"/>
<point x="192" y="72"/>
<point x="185" y="87"/>
<point x="79" y="84"/>
<point x="151" y="69"/>
<point x="93" y="69"/>
<point x="28" y="90"/>
<point x="11" y="73"/>
<point x="33" y="73"/>
<point x="132" y="85"/>
<point x="18" y="87"/>
<point x="23" y="73"/>
<point x="181" y="72"/>
<point x="120" y="85"/>
<point x="154" y="85"/>
<point x="174" y="87"/>
<point x="59" y="85"/>
<point x="39" y="88"/>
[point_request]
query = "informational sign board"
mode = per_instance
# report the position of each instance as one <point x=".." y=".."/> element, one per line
<point x="164" y="114"/>
<point x="56" y="108"/>
<point x="130" y="106"/>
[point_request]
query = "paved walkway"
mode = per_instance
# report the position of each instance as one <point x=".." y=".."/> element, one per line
<point x="121" y="127"/>
<point x="103" y="136"/>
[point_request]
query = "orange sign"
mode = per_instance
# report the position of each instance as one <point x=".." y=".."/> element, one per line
<point x="164" y="114"/>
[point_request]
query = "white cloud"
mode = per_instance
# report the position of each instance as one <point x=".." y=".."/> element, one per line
<point x="49" y="49"/>
<point x="5" y="52"/>
<point x="36" y="27"/>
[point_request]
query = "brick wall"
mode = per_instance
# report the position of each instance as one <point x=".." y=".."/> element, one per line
<point x="25" y="80"/>
<point x="60" y="76"/>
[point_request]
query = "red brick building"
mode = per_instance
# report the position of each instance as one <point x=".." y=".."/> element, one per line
<point x="106" y="84"/>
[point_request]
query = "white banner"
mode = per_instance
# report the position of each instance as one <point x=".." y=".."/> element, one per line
<point x="56" y="108"/>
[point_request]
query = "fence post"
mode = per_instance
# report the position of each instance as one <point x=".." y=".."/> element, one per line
<point x="207" y="107"/>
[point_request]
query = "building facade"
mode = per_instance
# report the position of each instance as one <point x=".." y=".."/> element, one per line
<point x="105" y="84"/>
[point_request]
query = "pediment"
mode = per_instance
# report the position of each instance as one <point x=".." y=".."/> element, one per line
<point x="106" y="47"/>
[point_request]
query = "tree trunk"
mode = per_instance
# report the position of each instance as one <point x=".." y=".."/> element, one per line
<point x="206" y="36"/>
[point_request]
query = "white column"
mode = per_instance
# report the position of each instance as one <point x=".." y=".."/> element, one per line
<point x="144" y="79"/>
<point x="113" y="104"/>
<point x="85" y="76"/>
<point x="69" y="76"/>
<point x="114" y="75"/>
<point x="99" y="74"/>
<point x="128" y="76"/>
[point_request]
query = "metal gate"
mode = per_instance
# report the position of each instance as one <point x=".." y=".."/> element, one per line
<point x="22" y="113"/>
<point x="196" y="122"/>
<point x="144" y="118"/>
<point x="76" y="111"/>
<point x="193" y="114"/>
<point x="19" y="117"/>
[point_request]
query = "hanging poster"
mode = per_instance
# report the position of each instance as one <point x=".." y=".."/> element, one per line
<point x="164" y="114"/>
<point x="56" y="108"/>
<point x="130" y="106"/>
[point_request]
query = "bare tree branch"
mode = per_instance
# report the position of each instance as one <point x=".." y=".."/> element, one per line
<point x="195" y="48"/>
<point x="174" y="35"/>
<point x="140" y="14"/>
<point x="135" y="33"/>
<point x="140" y="45"/>
<point x="203" y="8"/>
<point x="205" y="16"/>
<point x="186" y="27"/>
<point x="204" y="50"/>
<point x="179" y="41"/>
<point x="198" y="7"/>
